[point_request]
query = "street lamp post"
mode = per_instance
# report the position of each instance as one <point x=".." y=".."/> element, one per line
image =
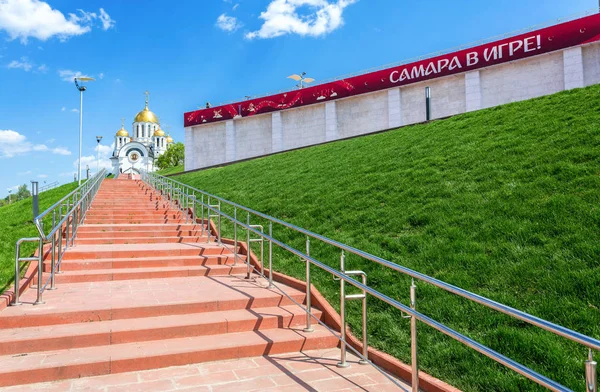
<point x="81" y="90"/>
<point x="302" y="79"/>
<point x="98" y="139"/>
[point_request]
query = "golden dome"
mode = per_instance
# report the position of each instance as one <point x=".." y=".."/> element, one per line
<point x="122" y="132"/>
<point x="159" y="132"/>
<point x="146" y="116"/>
<point x="169" y="139"/>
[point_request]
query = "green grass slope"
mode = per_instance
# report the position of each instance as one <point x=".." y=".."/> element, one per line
<point x="16" y="221"/>
<point x="170" y="170"/>
<point x="502" y="202"/>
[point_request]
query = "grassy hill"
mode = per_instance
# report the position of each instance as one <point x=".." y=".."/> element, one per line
<point x="170" y="170"/>
<point x="502" y="202"/>
<point x="16" y="221"/>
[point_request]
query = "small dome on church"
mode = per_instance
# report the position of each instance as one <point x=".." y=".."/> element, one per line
<point x="122" y="132"/>
<point x="169" y="139"/>
<point x="159" y="132"/>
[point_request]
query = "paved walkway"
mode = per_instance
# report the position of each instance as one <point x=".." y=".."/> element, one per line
<point x="307" y="371"/>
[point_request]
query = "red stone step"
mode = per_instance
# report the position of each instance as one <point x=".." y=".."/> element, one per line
<point x="85" y="252"/>
<point x="69" y="336"/>
<point x="114" y="300"/>
<point x="138" y="233"/>
<point x="119" y="358"/>
<point x="99" y="221"/>
<point x="87" y="228"/>
<point x="146" y="262"/>
<point x="141" y="240"/>
<point x="105" y="275"/>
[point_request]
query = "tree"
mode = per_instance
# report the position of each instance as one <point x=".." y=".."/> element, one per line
<point x="174" y="156"/>
<point x="22" y="192"/>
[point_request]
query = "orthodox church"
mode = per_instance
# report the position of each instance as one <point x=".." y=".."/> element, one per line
<point x="139" y="151"/>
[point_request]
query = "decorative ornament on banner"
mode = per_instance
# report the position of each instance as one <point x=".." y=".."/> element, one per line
<point x="574" y="33"/>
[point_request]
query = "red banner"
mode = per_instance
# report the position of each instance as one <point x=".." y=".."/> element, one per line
<point x="549" y="39"/>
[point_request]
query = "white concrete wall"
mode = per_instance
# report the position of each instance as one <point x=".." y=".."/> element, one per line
<point x="591" y="64"/>
<point x="362" y="114"/>
<point x="521" y="80"/>
<point x="207" y="145"/>
<point x="213" y="144"/>
<point x="253" y="136"/>
<point x="303" y="126"/>
<point x="573" y="68"/>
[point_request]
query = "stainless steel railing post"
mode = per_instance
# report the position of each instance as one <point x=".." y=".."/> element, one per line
<point x="17" y="274"/>
<point x="365" y="360"/>
<point x="187" y="205"/>
<point x="235" y="247"/>
<point x="342" y="363"/>
<point x="202" y="214"/>
<point x="309" y="327"/>
<point x="262" y="253"/>
<point x="248" y="248"/>
<point x="60" y="240"/>
<point x="270" y="255"/>
<point x="591" y="378"/>
<point x="53" y="264"/>
<point x="219" y="224"/>
<point x="38" y="300"/>
<point x="413" y="339"/>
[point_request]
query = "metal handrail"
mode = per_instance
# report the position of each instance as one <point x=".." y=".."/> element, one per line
<point x="160" y="182"/>
<point x="18" y="260"/>
<point x="72" y="199"/>
<point x="71" y="211"/>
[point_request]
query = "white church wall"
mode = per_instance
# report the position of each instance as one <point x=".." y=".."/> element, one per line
<point x="284" y="130"/>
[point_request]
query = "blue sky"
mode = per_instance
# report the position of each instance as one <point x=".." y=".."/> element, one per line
<point x="188" y="52"/>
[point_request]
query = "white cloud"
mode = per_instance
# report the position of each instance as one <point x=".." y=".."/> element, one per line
<point x="11" y="137"/>
<point x="75" y="110"/>
<point x="13" y="188"/>
<point x="105" y="152"/>
<point x="235" y="7"/>
<point x="23" y="64"/>
<point x="24" y="19"/>
<point x="13" y="143"/>
<point x="67" y="75"/>
<point x="61" y="151"/>
<point x="40" y="147"/>
<point x="63" y="109"/>
<point x="101" y="75"/>
<point x="27" y="65"/>
<point x="228" y="23"/>
<point x="106" y="20"/>
<point x="282" y="17"/>
<point x="42" y="176"/>
<point x="24" y="173"/>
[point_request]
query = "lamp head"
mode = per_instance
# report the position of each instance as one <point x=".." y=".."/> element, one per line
<point x="98" y="138"/>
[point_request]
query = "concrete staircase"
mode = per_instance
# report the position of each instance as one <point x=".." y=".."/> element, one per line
<point x="142" y="289"/>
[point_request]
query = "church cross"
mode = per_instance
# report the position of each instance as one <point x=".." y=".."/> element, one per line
<point x="147" y="97"/>
<point x="122" y="122"/>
